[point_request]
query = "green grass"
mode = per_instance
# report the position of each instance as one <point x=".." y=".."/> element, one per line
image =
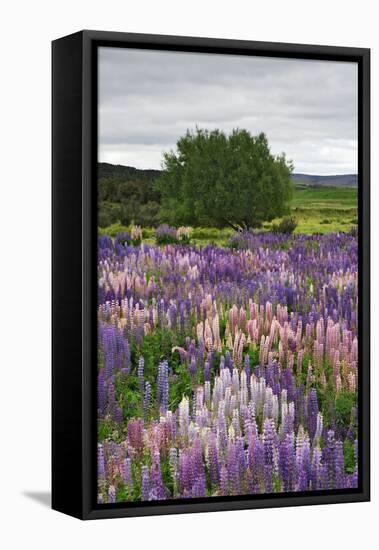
<point x="324" y="209"/>
<point x="325" y="197"/>
<point x="316" y="209"/>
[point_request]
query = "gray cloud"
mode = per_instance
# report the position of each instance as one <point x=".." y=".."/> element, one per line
<point x="148" y="99"/>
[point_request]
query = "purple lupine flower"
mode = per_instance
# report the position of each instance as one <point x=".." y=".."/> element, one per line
<point x="147" y="398"/>
<point x="157" y="489"/>
<point x="207" y="371"/>
<point x="224" y="484"/>
<point x="192" y="366"/>
<point x="111" y="494"/>
<point x="329" y="458"/>
<point x="100" y="461"/>
<point x="118" y="415"/>
<point x="241" y="456"/>
<point x="268" y="441"/>
<point x="339" y="465"/>
<point x="126" y="471"/>
<point x="135" y="434"/>
<point x="140" y="372"/>
<point x="287" y="462"/>
<point x="312" y="412"/>
<point x="232" y="469"/>
<point x="145" y="483"/>
<point x="111" y="399"/>
<point x="213" y="459"/>
<point x="228" y="361"/>
<point x="246" y="366"/>
<point x="174" y="465"/>
<point x="101" y="391"/>
<point x="162" y="386"/>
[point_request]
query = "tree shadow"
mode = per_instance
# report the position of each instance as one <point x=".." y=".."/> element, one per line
<point x="42" y="497"/>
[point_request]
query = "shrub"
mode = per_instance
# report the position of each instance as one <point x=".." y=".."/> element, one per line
<point x="165" y="234"/>
<point x="239" y="241"/>
<point x="111" y="230"/>
<point x="286" y="225"/>
<point x="136" y="235"/>
<point x="183" y="234"/>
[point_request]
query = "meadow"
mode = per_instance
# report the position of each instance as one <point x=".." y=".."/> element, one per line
<point x="324" y="209"/>
<point x="227" y="363"/>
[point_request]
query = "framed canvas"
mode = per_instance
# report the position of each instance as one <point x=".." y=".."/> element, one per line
<point x="211" y="279"/>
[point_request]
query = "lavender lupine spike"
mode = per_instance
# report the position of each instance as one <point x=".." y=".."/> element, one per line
<point x="213" y="460"/>
<point x="101" y="392"/>
<point x="339" y="465"/>
<point x="140" y="372"/>
<point x="162" y="386"/>
<point x="224" y="488"/>
<point x="157" y="490"/>
<point x="126" y="471"/>
<point x="100" y="461"/>
<point x="207" y="371"/>
<point x="192" y="366"/>
<point x="329" y="458"/>
<point x="145" y="483"/>
<point x="232" y="468"/>
<point x="147" y="398"/>
<point x="268" y="441"/>
<point x="111" y="494"/>
<point x="312" y="412"/>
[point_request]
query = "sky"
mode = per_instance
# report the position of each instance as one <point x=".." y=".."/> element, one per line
<point x="148" y="99"/>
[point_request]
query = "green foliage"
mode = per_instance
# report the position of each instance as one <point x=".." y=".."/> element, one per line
<point x="237" y="244"/>
<point x="349" y="456"/>
<point x="112" y="230"/>
<point x="324" y="209"/>
<point x="345" y="401"/>
<point x="128" y="395"/>
<point x="167" y="475"/>
<point x="180" y="384"/>
<point x="156" y="347"/>
<point x="127" y="195"/>
<point x="317" y="209"/>
<point x="218" y="180"/>
<point x="185" y="240"/>
<point x="109" y="213"/>
<point x="287" y="225"/>
<point x="253" y="352"/>
<point x="104" y="430"/>
<point x="165" y="239"/>
<point x="276" y="484"/>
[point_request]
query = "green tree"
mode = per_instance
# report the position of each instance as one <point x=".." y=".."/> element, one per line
<point x="214" y="179"/>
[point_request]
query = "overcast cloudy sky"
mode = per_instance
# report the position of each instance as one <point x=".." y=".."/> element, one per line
<point x="148" y="99"/>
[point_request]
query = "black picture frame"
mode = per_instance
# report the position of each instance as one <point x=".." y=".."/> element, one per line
<point x="74" y="332"/>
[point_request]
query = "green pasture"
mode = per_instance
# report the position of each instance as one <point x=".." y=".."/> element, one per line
<point x="325" y="209"/>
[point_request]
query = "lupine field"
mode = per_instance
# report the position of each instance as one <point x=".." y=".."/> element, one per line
<point x="226" y="370"/>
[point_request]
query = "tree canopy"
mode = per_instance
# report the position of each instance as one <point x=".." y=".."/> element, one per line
<point x="214" y="179"/>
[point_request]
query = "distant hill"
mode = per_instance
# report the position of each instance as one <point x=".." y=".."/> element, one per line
<point x="128" y="173"/>
<point x="120" y="172"/>
<point x="339" y="180"/>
